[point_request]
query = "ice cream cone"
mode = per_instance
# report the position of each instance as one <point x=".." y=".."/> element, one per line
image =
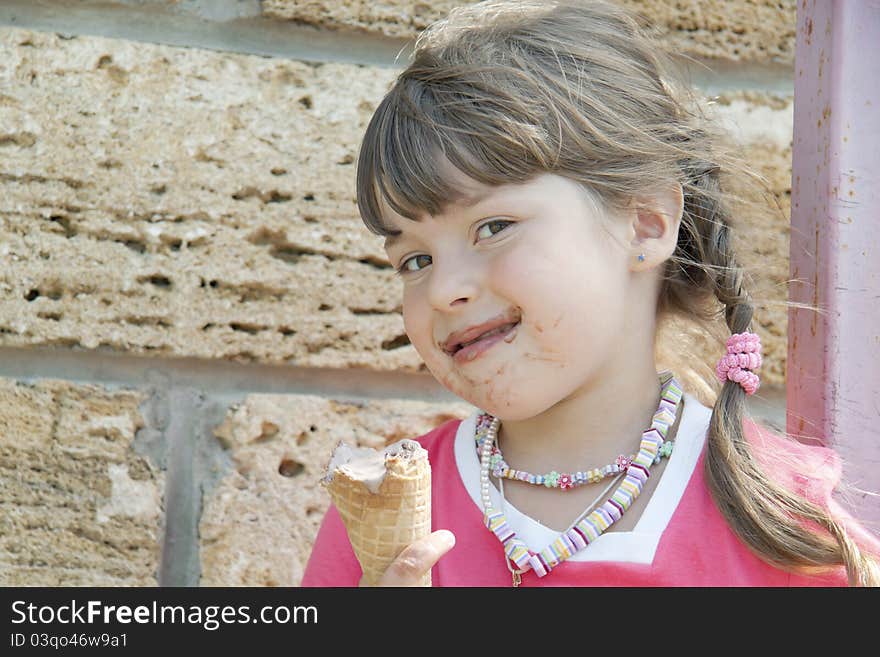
<point x="383" y="509"/>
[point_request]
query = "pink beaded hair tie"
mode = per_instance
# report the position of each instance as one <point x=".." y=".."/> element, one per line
<point x="742" y="358"/>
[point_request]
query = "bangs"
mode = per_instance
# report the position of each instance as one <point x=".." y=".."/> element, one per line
<point x="417" y="147"/>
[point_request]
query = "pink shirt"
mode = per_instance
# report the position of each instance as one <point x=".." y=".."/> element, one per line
<point x="692" y="544"/>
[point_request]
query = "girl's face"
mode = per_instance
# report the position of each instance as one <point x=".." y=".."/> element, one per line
<point x="536" y="269"/>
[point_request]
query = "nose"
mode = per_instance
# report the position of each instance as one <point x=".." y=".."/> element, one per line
<point x="455" y="281"/>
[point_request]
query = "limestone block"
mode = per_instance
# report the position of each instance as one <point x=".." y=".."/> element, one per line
<point x="259" y="523"/>
<point x="78" y="505"/>
<point x="394" y="18"/>
<point x="215" y="10"/>
<point x="177" y="202"/>
<point x="161" y="200"/>
<point x="752" y="30"/>
<point x="757" y="30"/>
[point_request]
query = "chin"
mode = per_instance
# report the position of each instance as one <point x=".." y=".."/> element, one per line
<point x="513" y="414"/>
<point x="511" y="409"/>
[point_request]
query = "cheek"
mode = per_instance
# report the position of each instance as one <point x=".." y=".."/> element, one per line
<point x="542" y="284"/>
<point x="417" y="322"/>
<point x="416" y="325"/>
<point x="569" y="300"/>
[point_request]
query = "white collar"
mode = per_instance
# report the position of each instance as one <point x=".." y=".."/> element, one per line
<point x="636" y="546"/>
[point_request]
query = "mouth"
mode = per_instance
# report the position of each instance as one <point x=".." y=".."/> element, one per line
<point x="501" y="330"/>
<point x="467" y="351"/>
<point x="456" y="340"/>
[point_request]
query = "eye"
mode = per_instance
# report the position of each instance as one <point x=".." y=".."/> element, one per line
<point x="491" y="228"/>
<point x="484" y="231"/>
<point x="411" y="264"/>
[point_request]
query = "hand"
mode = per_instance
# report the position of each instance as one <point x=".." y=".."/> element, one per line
<point x="416" y="559"/>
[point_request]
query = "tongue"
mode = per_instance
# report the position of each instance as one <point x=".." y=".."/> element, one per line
<point x="495" y="331"/>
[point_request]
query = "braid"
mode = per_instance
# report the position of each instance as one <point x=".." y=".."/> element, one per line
<point x="509" y="90"/>
<point x="768" y="518"/>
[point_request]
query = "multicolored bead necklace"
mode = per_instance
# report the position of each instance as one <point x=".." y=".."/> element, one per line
<point x="564" y="481"/>
<point x="593" y="522"/>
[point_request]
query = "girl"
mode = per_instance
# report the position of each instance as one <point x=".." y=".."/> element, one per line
<point x="549" y="194"/>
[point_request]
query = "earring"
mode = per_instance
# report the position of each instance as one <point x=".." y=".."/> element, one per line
<point x="641" y="257"/>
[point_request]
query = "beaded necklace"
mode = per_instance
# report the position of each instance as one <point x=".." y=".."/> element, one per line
<point x="565" y="481"/>
<point x="594" y="521"/>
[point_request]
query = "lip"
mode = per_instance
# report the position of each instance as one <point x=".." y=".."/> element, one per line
<point x="478" y="348"/>
<point x="456" y="338"/>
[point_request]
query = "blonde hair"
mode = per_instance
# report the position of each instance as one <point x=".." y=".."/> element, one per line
<point x="504" y="91"/>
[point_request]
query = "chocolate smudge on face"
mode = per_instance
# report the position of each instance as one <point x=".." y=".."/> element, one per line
<point x="558" y="361"/>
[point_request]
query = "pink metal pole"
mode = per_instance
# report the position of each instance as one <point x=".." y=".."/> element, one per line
<point x="833" y="379"/>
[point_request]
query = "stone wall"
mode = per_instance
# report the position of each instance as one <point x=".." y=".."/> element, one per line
<point x="170" y="207"/>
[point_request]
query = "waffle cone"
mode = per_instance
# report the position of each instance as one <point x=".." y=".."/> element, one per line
<point x="380" y="525"/>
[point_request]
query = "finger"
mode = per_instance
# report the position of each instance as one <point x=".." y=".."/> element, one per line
<point x="418" y="558"/>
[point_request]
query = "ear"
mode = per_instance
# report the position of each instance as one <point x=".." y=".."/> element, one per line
<point x="654" y="230"/>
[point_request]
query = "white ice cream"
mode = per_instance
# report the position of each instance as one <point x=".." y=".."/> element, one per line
<point x="366" y="464"/>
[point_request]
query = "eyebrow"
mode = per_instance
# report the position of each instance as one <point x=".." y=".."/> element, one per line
<point x="466" y="200"/>
<point x="391" y="240"/>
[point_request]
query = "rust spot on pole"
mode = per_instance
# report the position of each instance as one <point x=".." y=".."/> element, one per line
<point x="814" y="318"/>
